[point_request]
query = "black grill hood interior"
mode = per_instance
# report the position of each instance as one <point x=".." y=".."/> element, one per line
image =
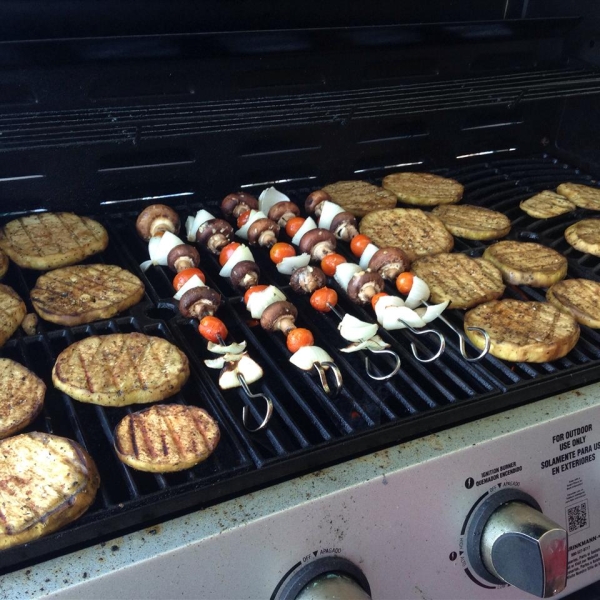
<point x="107" y="107"/>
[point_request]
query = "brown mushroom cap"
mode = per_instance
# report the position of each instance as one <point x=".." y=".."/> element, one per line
<point x="199" y="302"/>
<point x="318" y="243"/>
<point x="343" y="226"/>
<point x="245" y="274"/>
<point x="279" y="315"/>
<point x="182" y="257"/>
<point x="233" y="205"/>
<point x="282" y="212"/>
<point x="314" y="199"/>
<point x="156" y="219"/>
<point x="306" y="280"/>
<point x="364" y="285"/>
<point x="214" y="234"/>
<point x="389" y="262"/>
<point x="263" y="232"/>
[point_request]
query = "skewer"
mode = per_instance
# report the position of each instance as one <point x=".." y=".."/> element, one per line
<point x="251" y="394"/>
<point x="397" y="360"/>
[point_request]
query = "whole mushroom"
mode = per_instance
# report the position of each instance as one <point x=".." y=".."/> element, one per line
<point x="282" y="212"/>
<point x="263" y="232"/>
<point x="364" y="285"/>
<point x="233" y="205"/>
<point x="306" y="280"/>
<point x="318" y="243"/>
<point x="313" y="200"/>
<point x="279" y="316"/>
<point x="343" y="226"/>
<point x="389" y="262"/>
<point x="245" y="274"/>
<point x="214" y="235"/>
<point x="155" y="220"/>
<point x="183" y="257"/>
<point x="199" y="302"/>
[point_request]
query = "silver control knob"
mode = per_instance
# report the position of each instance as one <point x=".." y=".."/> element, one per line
<point x="331" y="586"/>
<point x="521" y="546"/>
<point x="326" y="578"/>
<point x="510" y="540"/>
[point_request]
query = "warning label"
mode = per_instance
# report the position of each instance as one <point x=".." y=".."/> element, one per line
<point x="498" y="473"/>
<point x="576" y="449"/>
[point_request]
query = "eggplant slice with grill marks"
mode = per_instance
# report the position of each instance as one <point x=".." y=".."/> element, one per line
<point x="585" y="236"/>
<point x="463" y="280"/>
<point x="166" y="438"/>
<point x="579" y="298"/>
<point x="120" y="369"/>
<point x="12" y="312"/>
<point x="473" y="222"/>
<point x="523" y="331"/>
<point x="47" y="481"/>
<point x="527" y="263"/>
<point x="85" y="293"/>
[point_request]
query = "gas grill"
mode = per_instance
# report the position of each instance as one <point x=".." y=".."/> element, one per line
<point x="106" y="119"/>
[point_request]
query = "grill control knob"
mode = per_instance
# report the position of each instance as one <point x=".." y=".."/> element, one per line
<point x="326" y="578"/>
<point x="511" y="541"/>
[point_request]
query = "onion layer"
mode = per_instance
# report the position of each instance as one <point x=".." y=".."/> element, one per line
<point x="240" y="253"/>
<point x="344" y="273"/>
<point x="290" y="263"/>
<point x="192" y="282"/>
<point x="367" y="255"/>
<point x="260" y="300"/>
<point x="192" y="224"/>
<point x="431" y="312"/>
<point x="328" y="211"/>
<point x="419" y="293"/>
<point x="269" y="198"/>
<point x="355" y="330"/>
<point x="308" y="224"/>
<point x="307" y="356"/>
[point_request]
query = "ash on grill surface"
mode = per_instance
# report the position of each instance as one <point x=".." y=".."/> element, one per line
<point x="309" y="429"/>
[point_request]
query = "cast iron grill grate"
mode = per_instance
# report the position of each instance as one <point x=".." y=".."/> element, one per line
<point x="309" y="429"/>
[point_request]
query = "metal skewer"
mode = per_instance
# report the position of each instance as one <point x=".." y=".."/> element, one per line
<point x="250" y="394"/>
<point x="462" y="340"/>
<point x="397" y="360"/>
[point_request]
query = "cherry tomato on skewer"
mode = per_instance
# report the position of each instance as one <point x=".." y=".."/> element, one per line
<point x="359" y="243"/>
<point x="404" y="282"/>
<point x="298" y="338"/>
<point x="324" y="299"/>
<point x="212" y="328"/>
<point x="292" y="226"/>
<point x="281" y="250"/>
<point x="183" y="276"/>
<point x="330" y="263"/>
<point x="243" y="218"/>
<point x="227" y="251"/>
<point x="251" y="290"/>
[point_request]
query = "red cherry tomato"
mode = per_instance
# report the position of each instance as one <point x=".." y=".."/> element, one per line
<point x="299" y="337"/>
<point x="330" y="263"/>
<point x="212" y="328"/>
<point x="359" y="243"/>
<point x="376" y="298"/>
<point x="281" y="250"/>
<point x="324" y="299"/>
<point x="404" y="282"/>
<point x="243" y="218"/>
<point x="184" y="276"/>
<point x="251" y="290"/>
<point x="227" y="251"/>
<point x="292" y="226"/>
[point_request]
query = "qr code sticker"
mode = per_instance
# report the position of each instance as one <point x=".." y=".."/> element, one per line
<point x="577" y="516"/>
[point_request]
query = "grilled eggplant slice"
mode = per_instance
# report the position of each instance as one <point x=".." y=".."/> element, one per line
<point x="523" y="331"/>
<point x="47" y="481"/>
<point x="85" y="293"/>
<point x="12" y="312"/>
<point x="473" y="222"/>
<point x="585" y="236"/>
<point x="579" y="298"/>
<point x="462" y="280"/>
<point x="583" y="196"/>
<point x="21" y="397"/>
<point x="360" y="197"/>
<point x="546" y="205"/>
<point x="423" y="189"/>
<point x="4" y="263"/>
<point x="120" y="369"/>
<point x="412" y="230"/>
<point x="527" y="263"/>
<point x="50" y="240"/>
<point x="166" y="438"/>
